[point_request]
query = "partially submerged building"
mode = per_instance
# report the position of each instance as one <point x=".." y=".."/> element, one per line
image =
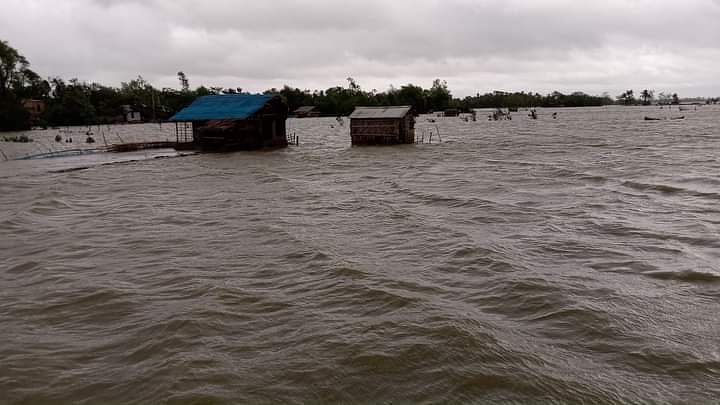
<point x="235" y="122"/>
<point x="35" y="108"/>
<point x="131" y="114"/>
<point x="382" y="125"/>
<point x="307" y="111"/>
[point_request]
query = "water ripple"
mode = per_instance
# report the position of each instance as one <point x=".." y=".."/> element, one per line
<point x="549" y="261"/>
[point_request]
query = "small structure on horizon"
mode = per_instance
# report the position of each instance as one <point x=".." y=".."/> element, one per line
<point x="451" y="112"/>
<point x="35" y="108"/>
<point x="307" y="111"/>
<point x="233" y="122"/>
<point x="130" y="114"/>
<point x="382" y="125"/>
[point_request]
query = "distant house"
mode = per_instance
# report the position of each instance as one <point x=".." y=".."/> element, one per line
<point x="307" y="111"/>
<point x="451" y="112"/>
<point x="382" y="125"/>
<point x="236" y="121"/>
<point x="133" y="116"/>
<point x="130" y="114"/>
<point x="36" y="108"/>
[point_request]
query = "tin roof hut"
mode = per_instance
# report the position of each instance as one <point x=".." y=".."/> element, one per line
<point x="382" y="125"/>
<point x="307" y="111"/>
<point x="236" y="121"/>
<point x="35" y="108"/>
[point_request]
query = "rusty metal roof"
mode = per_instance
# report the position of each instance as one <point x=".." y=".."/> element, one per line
<point x="381" y="112"/>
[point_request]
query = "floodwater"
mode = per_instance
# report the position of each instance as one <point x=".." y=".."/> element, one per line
<point x="574" y="260"/>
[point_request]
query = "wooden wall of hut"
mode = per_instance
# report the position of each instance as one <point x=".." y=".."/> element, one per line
<point x="382" y="131"/>
<point x="246" y="134"/>
<point x="264" y="129"/>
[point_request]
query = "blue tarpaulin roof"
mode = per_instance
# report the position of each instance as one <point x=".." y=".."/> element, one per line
<point x="225" y="107"/>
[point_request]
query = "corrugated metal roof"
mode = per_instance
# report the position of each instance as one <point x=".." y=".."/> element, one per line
<point x="305" y="108"/>
<point x="381" y="112"/>
<point x="224" y="107"/>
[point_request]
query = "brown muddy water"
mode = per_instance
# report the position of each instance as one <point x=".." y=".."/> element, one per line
<point x="574" y="260"/>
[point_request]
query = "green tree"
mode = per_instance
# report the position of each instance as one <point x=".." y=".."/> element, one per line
<point x="11" y="64"/>
<point x="17" y="81"/>
<point x="295" y="97"/>
<point x="664" y="98"/>
<point x="647" y="96"/>
<point x="438" y="97"/>
<point x="412" y="95"/>
<point x="184" y="82"/>
<point x="627" y="98"/>
<point x="352" y="85"/>
<point x="13" y="117"/>
<point x="71" y="104"/>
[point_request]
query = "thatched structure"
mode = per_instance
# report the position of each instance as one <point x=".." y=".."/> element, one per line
<point x="236" y="122"/>
<point x="382" y="125"/>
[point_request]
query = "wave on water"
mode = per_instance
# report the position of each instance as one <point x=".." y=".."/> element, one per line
<point x="670" y="189"/>
<point x="691" y="276"/>
<point x="526" y="261"/>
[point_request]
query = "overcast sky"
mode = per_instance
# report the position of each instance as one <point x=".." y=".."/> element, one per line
<point x="476" y="45"/>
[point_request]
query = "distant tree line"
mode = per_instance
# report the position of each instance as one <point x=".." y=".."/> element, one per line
<point x="342" y="100"/>
<point x="81" y="103"/>
<point x="74" y="102"/>
<point x="647" y="97"/>
<point x="499" y="99"/>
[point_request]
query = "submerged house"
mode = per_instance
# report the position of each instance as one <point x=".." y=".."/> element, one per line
<point x="307" y="111"/>
<point x="131" y="114"/>
<point x="236" y="121"/>
<point x="35" y="108"/>
<point x="382" y="125"/>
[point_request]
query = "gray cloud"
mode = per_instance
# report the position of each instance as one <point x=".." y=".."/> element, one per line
<point x="476" y="45"/>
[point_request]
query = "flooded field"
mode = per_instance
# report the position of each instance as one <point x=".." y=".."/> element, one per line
<point x="72" y="141"/>
<point x="568" y="260"/>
